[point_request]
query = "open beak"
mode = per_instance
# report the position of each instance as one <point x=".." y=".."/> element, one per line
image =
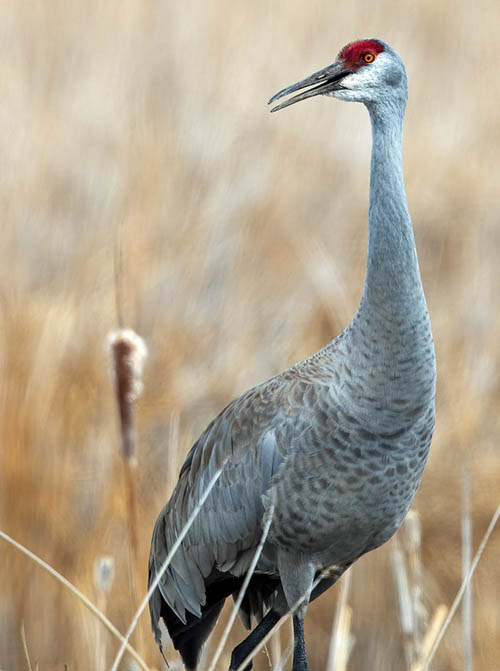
<point x="323" y="81"/>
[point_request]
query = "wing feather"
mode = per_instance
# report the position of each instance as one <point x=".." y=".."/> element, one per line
<point x="225" y="533"/>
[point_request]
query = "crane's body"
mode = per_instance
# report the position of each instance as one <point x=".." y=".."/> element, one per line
<point x="336" y="445"/>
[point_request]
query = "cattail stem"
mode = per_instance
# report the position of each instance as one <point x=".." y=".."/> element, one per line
<point x="128" y="353"/>
<point x="132" y="515"/>
<point x="133" y="555"/>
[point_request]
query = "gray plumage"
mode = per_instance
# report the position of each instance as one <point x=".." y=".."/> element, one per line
<point x="340" y="440"/>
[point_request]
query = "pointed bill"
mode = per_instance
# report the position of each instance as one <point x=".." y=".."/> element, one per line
<point x="323" y="81"/>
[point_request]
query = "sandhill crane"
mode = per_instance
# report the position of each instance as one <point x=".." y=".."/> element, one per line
<point x="335" y="444"/>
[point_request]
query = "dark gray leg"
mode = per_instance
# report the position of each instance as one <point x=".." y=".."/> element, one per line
<point x="299" y="645"/>
<point x="245" y="647"/>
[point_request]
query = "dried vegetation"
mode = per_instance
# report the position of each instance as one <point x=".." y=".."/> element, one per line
<point x="143" y="127"/>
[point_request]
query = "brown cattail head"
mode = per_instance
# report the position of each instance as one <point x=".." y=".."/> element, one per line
<point x="128" y="352"/>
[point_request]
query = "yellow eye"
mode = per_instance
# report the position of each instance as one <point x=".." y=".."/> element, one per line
<point x="368" y="58"/>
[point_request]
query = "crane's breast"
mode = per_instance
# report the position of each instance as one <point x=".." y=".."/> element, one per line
<point x="343" y="490"/>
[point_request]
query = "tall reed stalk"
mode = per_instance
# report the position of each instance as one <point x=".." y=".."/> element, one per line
<point x="128" y="353"/>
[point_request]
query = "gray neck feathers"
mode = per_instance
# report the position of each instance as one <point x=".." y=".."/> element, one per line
<point x="392" y="285"/>
<point x="389" y="343"/>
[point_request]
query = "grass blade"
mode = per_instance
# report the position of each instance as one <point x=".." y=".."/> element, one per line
<point x="279" y="624"/>
<point x="466" y="560"/>
<point x="463" y="587"/>
<point x="251" y="569"/>
<point x="109" y="625"/>
<point x="165" y="565"/>
<point x="339" y="643"/>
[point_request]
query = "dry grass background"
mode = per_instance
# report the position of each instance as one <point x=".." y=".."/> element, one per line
<point x="243" y="241"/>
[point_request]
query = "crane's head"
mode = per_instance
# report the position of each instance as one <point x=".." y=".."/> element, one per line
<point x="366" y="71"/>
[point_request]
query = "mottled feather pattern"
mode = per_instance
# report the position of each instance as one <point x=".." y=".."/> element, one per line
<point x="336" y="445"/>
<point x="343" y="488"/>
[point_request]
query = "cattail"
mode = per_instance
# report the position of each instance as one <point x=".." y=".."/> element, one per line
<point x="128" y="352"/>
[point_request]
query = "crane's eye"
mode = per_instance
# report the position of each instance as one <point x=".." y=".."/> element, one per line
<point x="368" y="57"/>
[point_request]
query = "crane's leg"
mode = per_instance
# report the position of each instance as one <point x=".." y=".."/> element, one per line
<point x="299" y="645"/>
<point x="245" y="647"/>
<point x="297" y="576"/>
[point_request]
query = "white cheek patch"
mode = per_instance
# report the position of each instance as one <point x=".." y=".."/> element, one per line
<point x="366" y="77"/>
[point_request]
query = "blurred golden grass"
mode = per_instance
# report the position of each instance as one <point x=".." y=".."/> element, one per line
<point x="243" y="242"/>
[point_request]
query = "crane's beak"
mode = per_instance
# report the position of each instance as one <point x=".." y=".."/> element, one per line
<point x="323" y="81"/>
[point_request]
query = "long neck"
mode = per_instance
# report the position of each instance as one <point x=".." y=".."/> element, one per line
<point x="392" y="286"/>
<point x="389" y="343"/>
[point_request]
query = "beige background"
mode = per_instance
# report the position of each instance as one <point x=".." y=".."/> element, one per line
<point x="243" y="238"/>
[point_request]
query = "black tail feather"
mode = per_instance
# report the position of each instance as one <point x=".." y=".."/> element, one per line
<point x="189" y="638"/>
